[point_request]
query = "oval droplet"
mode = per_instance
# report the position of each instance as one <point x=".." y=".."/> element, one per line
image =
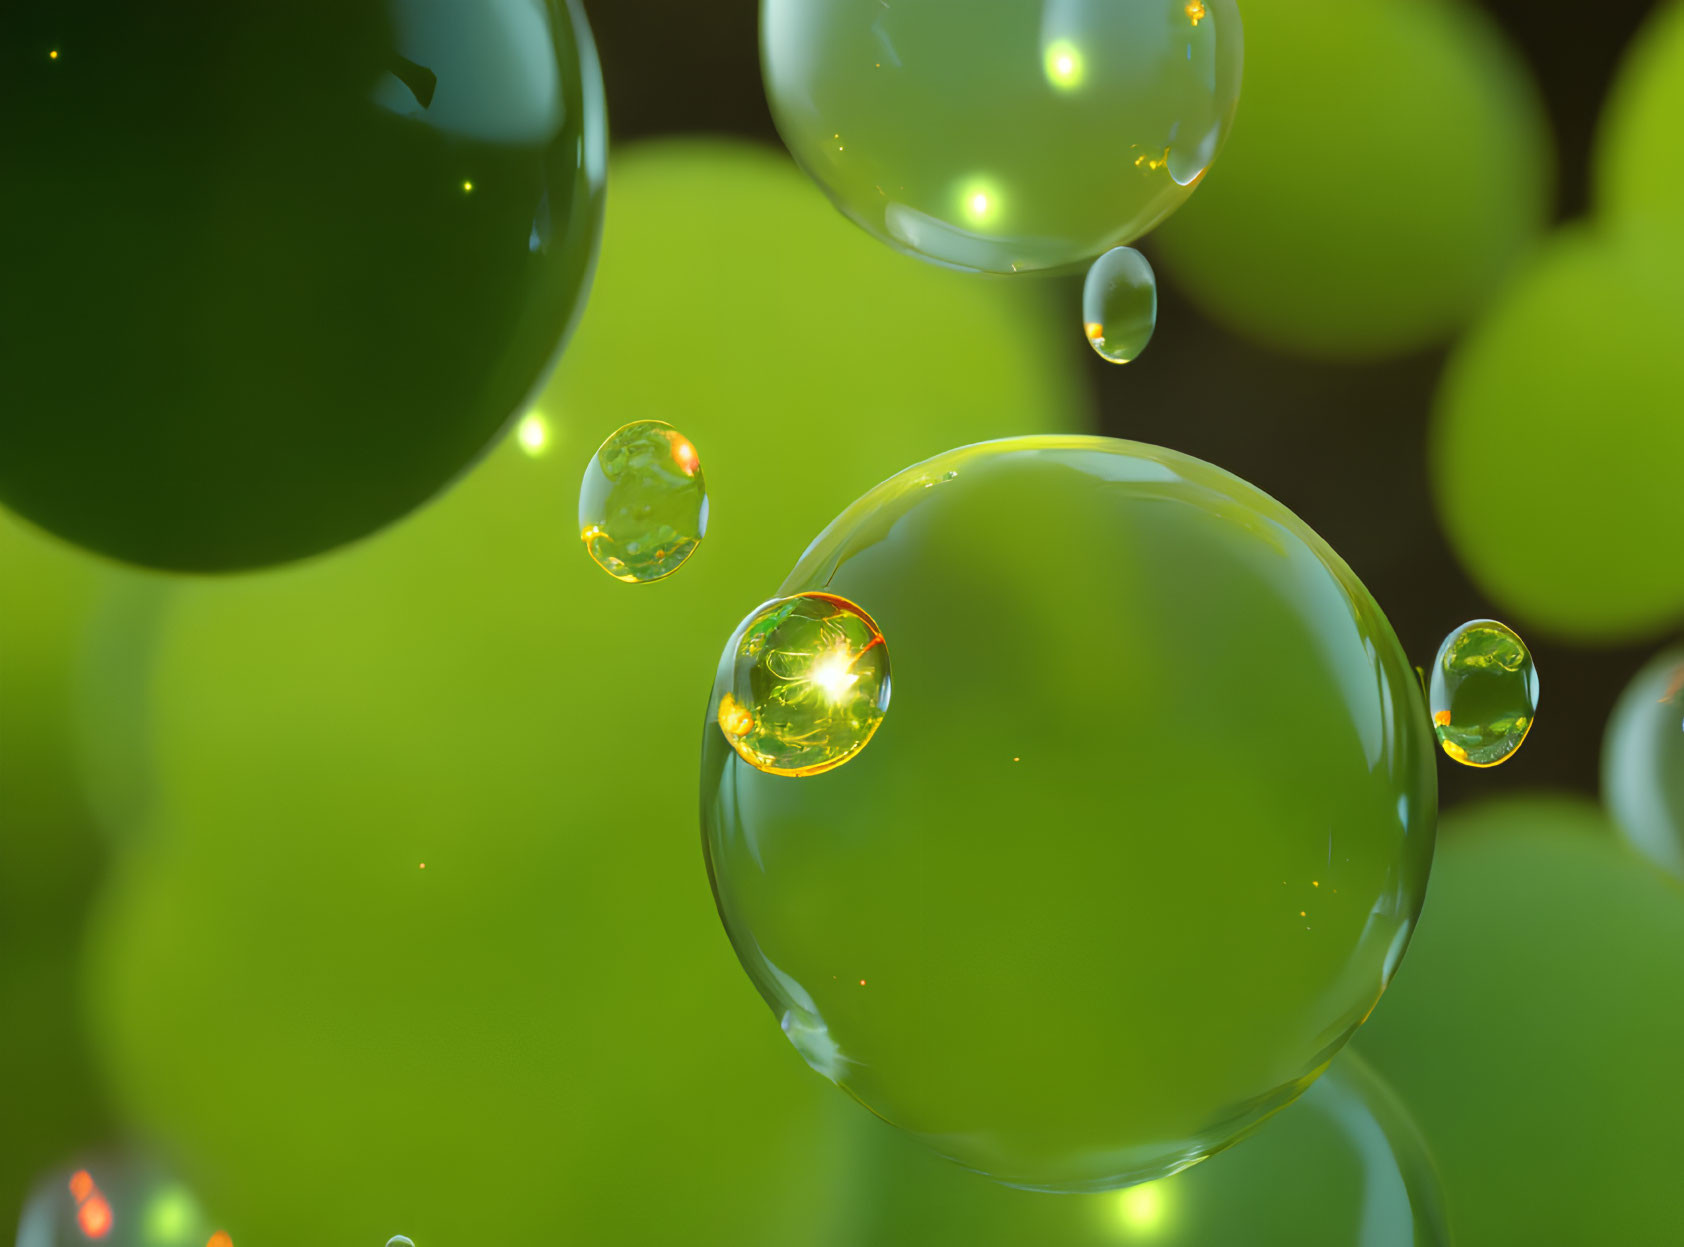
<point x="643" y="505"/>
<point x="1120" y="305"/>
<point x="1484" y="693"/>
<point x="803" y="684"/>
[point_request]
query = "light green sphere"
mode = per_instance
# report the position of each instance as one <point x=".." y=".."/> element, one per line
<point x="1535" y="1030"/>
<point x="1639" y="159"/>
<point x="417" y="940"/>
<point x="1389" y="169"/>
<point x="1556" y="441"/>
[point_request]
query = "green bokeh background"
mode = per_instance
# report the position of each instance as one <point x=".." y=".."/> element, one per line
<point x="1388" y="169"/>
<point x="544" y="1033"/>
<point x="1534" y="1029"/>
<point x="545" y="1024"/>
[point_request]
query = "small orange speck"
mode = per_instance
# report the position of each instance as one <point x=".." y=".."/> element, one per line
<point x="862" y="982"/>
<point x="1302" y="914"/>
<point x="1442" y="718"/>
<point x="684" y="455"/>
<point x="94" y="1216"/>
<point x="1095" y="332"/>
<point x="423" y="865"/>
<point x="1196" y="11"/>
<point x="1315" y="884"/>
<point x="1017" y="759"/>
<point x="220" y="1239"/>
<point x="81" y="1185"/>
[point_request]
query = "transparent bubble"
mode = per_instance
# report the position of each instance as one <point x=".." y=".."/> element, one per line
<point x="1643" y="761"/>
<point x="118" y="1201"/>
<point x="1142" y="842"/>
<point x="1003" y="135"/>
<point x="398" y="1240"/>
<point x="1343" y="1167"/>
<point x="643" y="505"/>
<point x="803" y="685"/>
<point x="1120" y="305"/>
<point x="1484" y="693"/>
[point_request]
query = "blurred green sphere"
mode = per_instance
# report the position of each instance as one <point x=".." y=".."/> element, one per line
<point x="1643" y="761"/>
<point x="279" y="272"/>
<point x="1343" y="1167"/>
<point x="1142" y="835"/>
<point x="1639" y="159"/>
<point x="1389" y="167"/>
<point x="1556" y="440"/>
<point x="51" y="858"/>
<point x="1535" y="1030"/>
<point x="418" y="940"/>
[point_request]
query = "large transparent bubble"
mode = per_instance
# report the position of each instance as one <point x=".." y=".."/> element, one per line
<point x="1003" y="135"/>
<point x="1140" y="842"/>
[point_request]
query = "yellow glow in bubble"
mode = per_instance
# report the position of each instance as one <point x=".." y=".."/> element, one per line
<point x="533" y="433"/>
<point x="980" y="203"/>
<point x="1141" y="1208"/>
<point x="1064" y="65"/>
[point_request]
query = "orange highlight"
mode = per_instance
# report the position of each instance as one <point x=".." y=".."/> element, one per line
<point x="1442" y="718"/>
<point x="81" y="1185"/>
<point x="94" y="1216"/>
<point x="684" y="455"/>
<point x="220" y="1239"/>
<point x="1196" y="11"/>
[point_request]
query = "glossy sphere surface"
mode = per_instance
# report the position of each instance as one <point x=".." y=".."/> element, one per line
<point x="803" y="685"/>
<point x="1003" y="135"/>
<point x="1484" y="693"/>
<point x="1343" y="1167"/>
<point x="289" y="267"/>
<point x="1549" y="947"/>
<point x="1120" y="305"/>
<point x="1141" y="843"/>
<point x="643" y="505"/>
<point x="1643" y="761"/>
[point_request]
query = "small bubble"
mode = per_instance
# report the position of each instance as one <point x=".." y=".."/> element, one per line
<point x="643" y="505"/>
<point x="398" y="1240"/>
<point x="806" y="687"/>
<point x="1120" y="305"/>
<point x="1484" y="693"/>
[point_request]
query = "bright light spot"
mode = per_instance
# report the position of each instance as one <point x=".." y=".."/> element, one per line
<point x="220" y="1239"/>
<point x="467" y="188"/>
<point x="1195" y="11"/>
<point x="53" y="55"/>
<point x="533" y="433"/>
<point x="831" y="673"/>
<point x="1141" y="1207"/>
<point x="1064" y="66"/>
<point x="979" y="202"/>
<point x="169" y="1215"/>
<point x="94" y="1216"/>
<point x="684" y="455"/>
<point x="81" y="1185"/>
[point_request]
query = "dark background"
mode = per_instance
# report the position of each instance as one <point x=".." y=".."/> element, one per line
<point x="1343" y="445"/>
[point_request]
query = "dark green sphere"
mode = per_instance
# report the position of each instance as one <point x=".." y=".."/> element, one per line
<point x="275" y="273"/>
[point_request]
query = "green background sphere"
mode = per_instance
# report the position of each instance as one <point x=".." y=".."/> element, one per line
<point x="1535" y="1030"/>
<point x="1643" y="761"/>
<point x="1388" y="170"/>
<point x="1140" y="840"/>
<point x="1556" y="441"/>
<point x="1344" y="1166"/>
<point x="542" y="1034"/>
<point x="1003" y="135"/>
<point x="1640" y="162"/>
<point x="51" y="858"/>
<point x="280" y="271"/>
